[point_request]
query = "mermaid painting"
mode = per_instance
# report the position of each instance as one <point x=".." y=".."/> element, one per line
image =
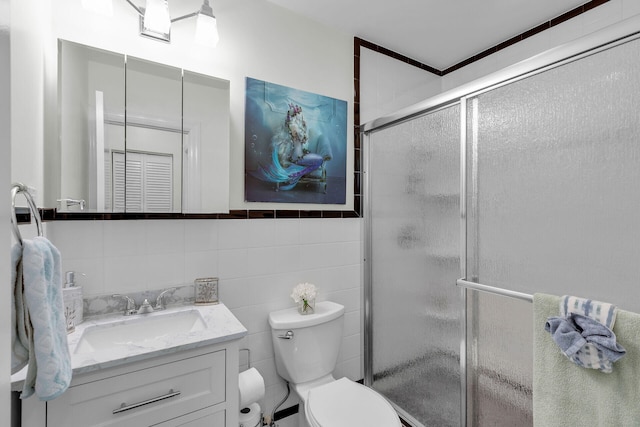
<point x="295" y="145"/>
<point x="290" y="156"/>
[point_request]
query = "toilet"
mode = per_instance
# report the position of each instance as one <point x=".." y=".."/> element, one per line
<point x="306" y="350"/>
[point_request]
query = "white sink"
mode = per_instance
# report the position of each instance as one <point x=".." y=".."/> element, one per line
<point x="140" y="331"/>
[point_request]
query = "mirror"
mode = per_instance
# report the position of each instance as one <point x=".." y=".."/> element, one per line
<point x="138" y="136"/>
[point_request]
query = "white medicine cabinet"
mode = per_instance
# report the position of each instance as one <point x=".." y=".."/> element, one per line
<point x="138" y="136"/>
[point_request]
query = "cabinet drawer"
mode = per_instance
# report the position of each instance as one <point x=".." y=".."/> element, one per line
<point x="209" y="417"/>
<point x="143" y="397"/>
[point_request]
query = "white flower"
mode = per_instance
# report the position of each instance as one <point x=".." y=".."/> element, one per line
<point x="304" y="292"/>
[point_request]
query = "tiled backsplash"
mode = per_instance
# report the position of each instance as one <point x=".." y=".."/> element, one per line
<point x="258" y="262"/>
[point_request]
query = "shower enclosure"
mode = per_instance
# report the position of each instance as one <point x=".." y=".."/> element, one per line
<point x="526" y="181"/>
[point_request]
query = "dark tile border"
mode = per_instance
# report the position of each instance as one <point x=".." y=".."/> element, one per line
<point x="399" y="57"/>
<point x="24" y="216"/>
<point x="286" y="412"/>
<point x="513" y="40"/>
<point x="359" y="43"/>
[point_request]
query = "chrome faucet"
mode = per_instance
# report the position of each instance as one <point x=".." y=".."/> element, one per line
<point x="131" y="304"/>
<point x="160" y="300"/>
<point x="66" y="204"/>
<point x="145" y="307"/>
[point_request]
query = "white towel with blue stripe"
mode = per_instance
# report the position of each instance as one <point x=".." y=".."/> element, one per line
<point x="604" y="313"/>
<point x="40" y="291"/>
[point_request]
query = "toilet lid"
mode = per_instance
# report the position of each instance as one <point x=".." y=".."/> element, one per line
<point x="344" y="403"/>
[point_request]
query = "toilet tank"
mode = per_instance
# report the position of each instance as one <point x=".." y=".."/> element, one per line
<point x="311" y="353"/>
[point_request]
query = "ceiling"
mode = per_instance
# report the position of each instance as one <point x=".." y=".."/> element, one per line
<point x="438" y="33"/>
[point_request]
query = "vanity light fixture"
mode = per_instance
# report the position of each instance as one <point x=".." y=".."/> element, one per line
<point x="206" y="26"/>
<point x="155" y="22"/>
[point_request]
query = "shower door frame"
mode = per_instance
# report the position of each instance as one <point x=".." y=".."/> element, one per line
<point x="604" y="39"/>
<point x="368" y="274"/>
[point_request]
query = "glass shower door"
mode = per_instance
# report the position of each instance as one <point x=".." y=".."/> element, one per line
<point x="414" y="261"/>
<point x="554" y="170"/>
<point x="551" y="200"/>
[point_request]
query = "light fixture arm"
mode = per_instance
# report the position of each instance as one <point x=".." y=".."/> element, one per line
<point x="206" y="9"/>
<point x="139" y="10"/>
<point x="180" y="18"/>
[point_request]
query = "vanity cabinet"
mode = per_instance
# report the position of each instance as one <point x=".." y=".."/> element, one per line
<point x="190" y="388"/>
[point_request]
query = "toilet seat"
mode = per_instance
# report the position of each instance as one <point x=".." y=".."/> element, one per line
<point x="344" y="403"/>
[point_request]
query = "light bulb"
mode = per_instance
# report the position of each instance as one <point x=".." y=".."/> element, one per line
<point x="206" y="30"/>
<point x="156" y="17"/>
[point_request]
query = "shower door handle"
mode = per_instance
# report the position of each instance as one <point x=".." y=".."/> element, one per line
<point x="287" y="336"/>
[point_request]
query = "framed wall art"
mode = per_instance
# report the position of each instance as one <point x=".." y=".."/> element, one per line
<point x="295" y="145"/>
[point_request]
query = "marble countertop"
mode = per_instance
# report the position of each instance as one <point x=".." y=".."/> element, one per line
<point x="221" y="326"/>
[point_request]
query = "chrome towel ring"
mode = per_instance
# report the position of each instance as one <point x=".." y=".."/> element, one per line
<point x="19" y="188"/>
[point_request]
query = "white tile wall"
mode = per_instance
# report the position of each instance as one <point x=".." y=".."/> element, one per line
<point x="258" y="263"/>
<point x="387" y="85"/>
<point x="630" y="8"/>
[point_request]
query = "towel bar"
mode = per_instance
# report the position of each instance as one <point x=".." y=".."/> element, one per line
<point x="493" y="290"/>
<point x="18" y="188"/>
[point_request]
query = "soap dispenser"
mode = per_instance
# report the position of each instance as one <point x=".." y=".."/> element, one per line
<point x="73" y="303"/>
<point x="70" y="279"/>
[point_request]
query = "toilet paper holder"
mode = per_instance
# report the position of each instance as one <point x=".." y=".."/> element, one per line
<point x="248" y="350"/>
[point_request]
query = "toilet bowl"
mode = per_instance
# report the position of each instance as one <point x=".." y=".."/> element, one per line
<point x="306" y="351"/>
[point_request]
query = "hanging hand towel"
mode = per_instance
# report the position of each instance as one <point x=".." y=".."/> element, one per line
<point x="589" y="356"/>
<point x="572" y="333"/>
<point x="602" y="312"/>
<point x="20" y="324"/>
<point x="50" y="375"/>
<point x="565" y="394"/>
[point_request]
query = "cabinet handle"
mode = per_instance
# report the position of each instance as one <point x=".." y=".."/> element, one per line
<point x="125" y="407"/>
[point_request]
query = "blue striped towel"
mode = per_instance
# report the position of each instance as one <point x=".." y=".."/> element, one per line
<point x="589" y="356"/>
